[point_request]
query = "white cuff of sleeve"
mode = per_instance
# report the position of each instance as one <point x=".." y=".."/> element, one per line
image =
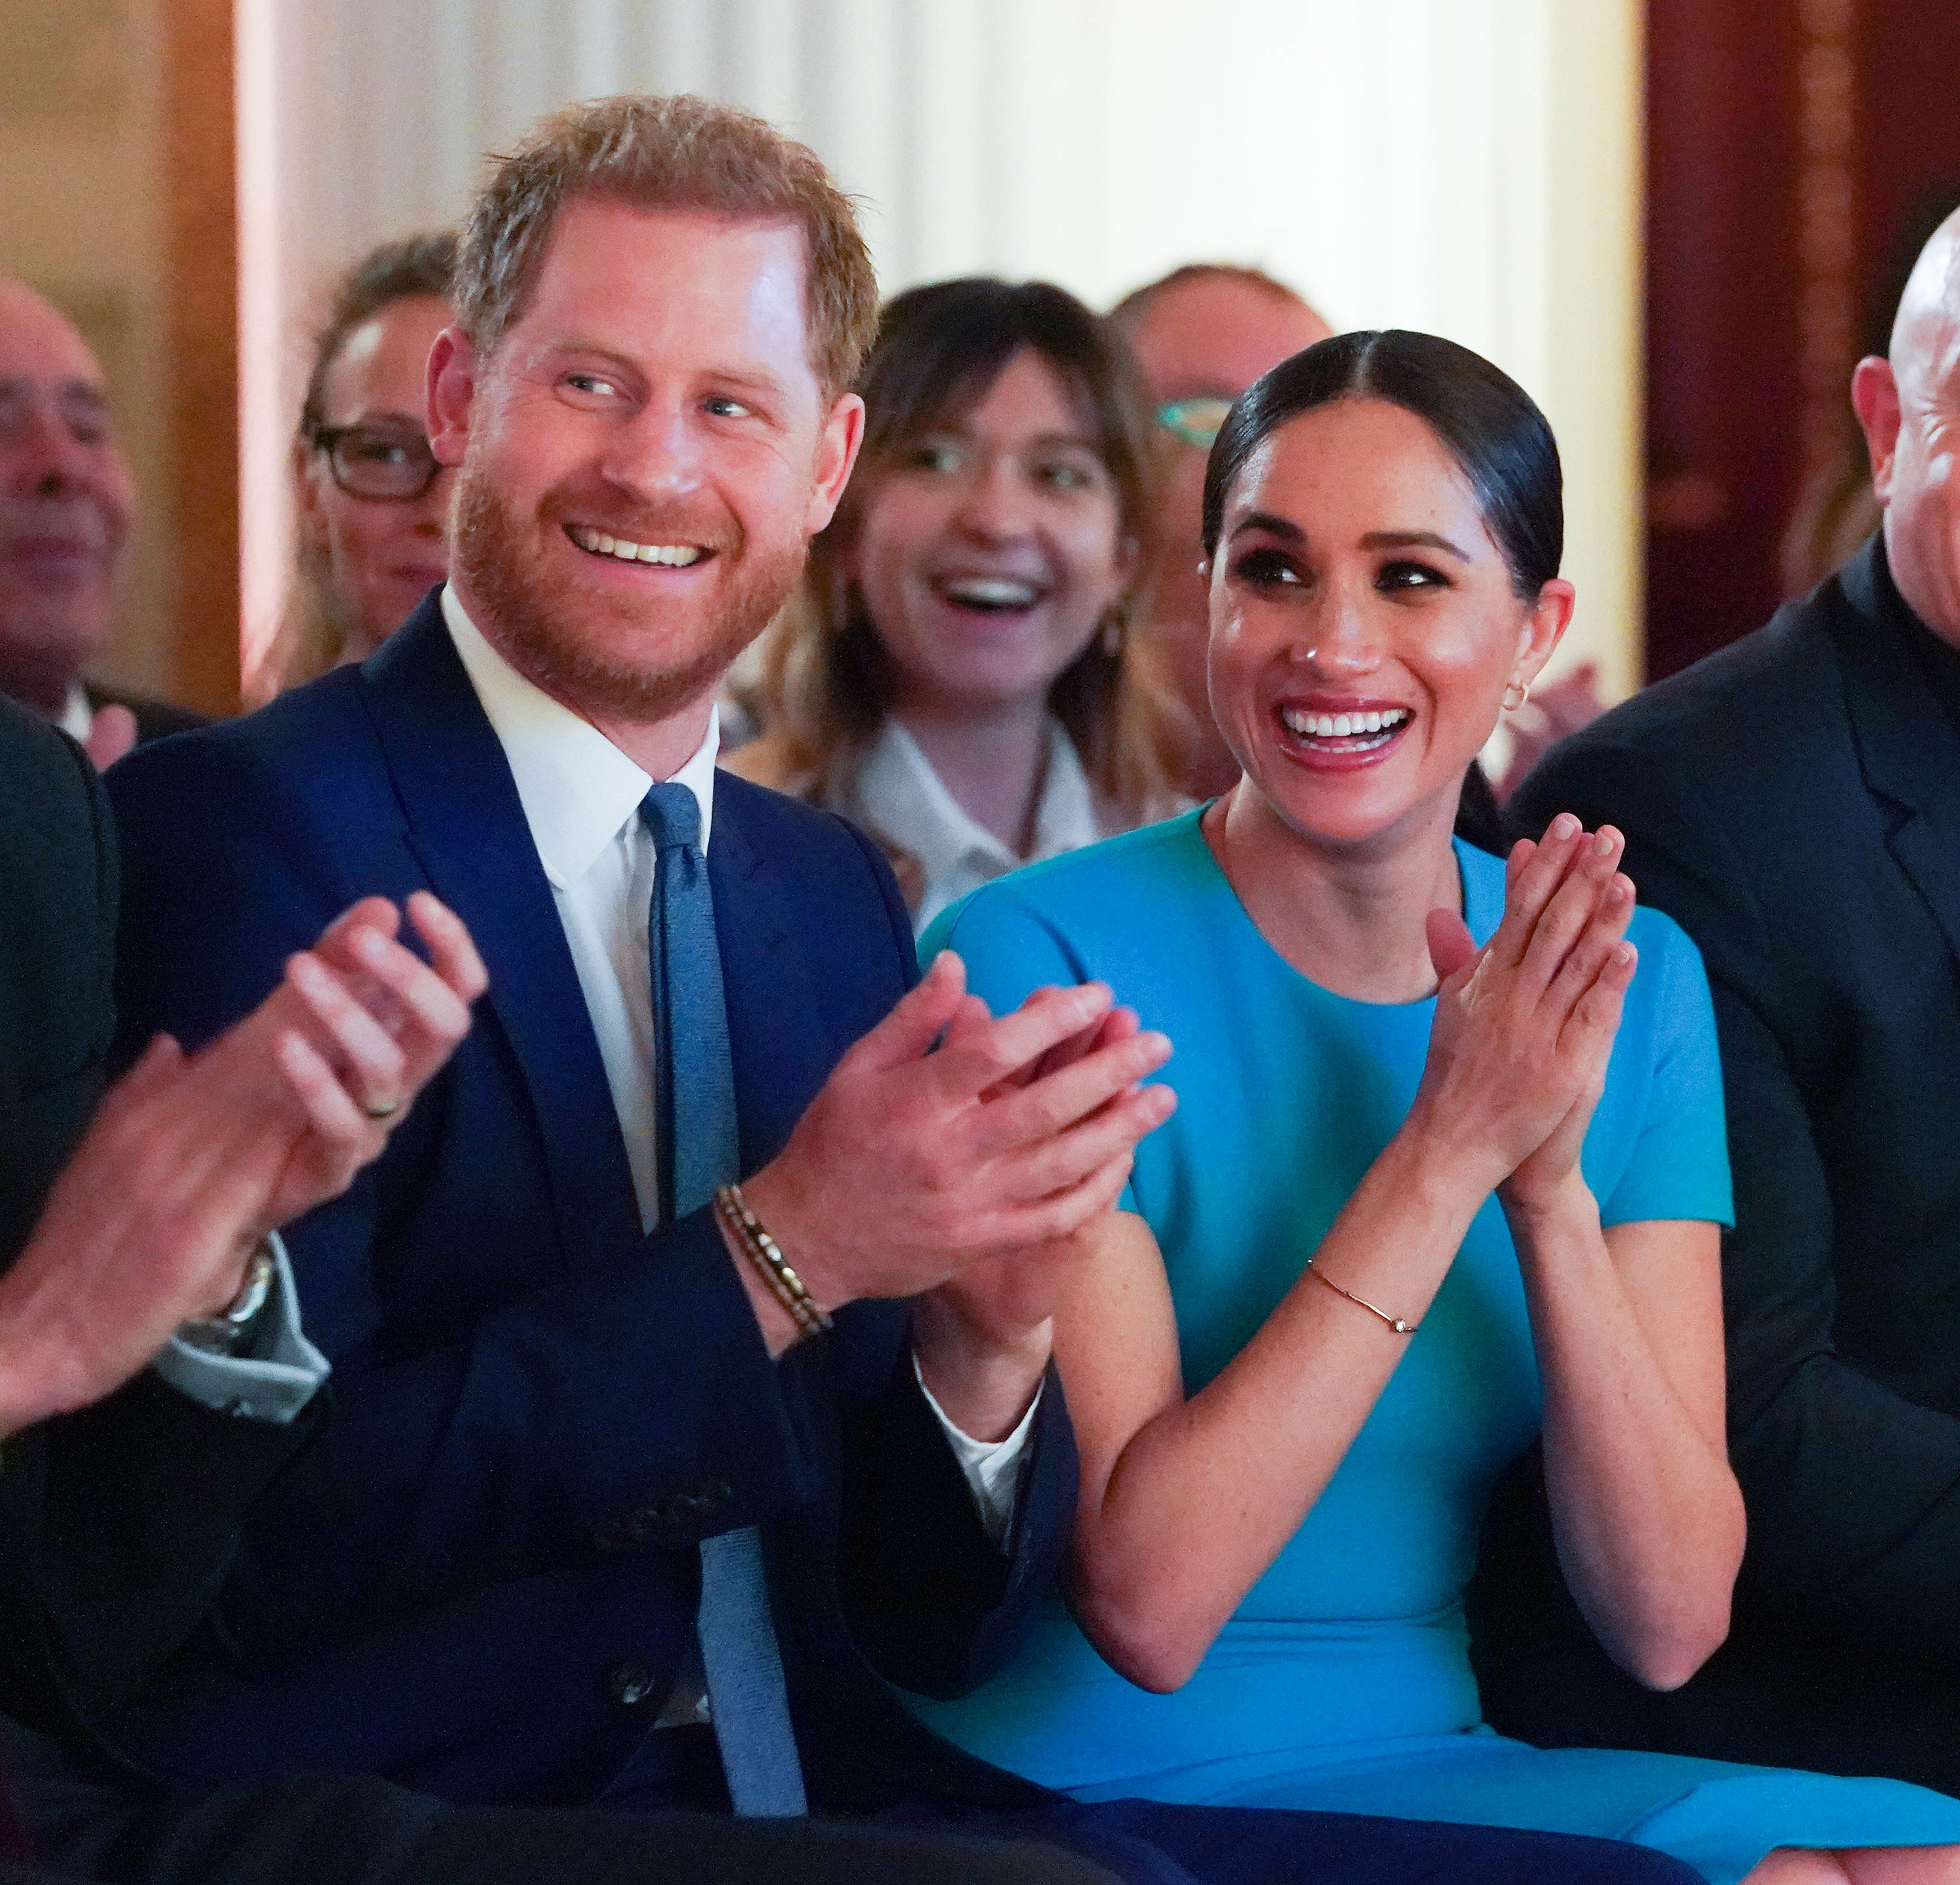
<point x="273" y="1383"/>
<point x="992" y="1467"/>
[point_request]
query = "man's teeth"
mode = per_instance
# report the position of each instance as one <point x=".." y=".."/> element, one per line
<point x="1342" y="726"/>
<point x="994" y="592"/>
<point x="675" y="556"/>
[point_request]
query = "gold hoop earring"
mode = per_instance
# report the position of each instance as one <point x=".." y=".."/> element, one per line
<point x="1523" y="689"/>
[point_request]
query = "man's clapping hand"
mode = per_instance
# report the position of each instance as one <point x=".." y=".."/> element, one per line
<point x="912" y="1165"/>
<point x="192" y="1160"/>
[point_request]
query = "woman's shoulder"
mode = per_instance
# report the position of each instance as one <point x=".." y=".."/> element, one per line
<point x="1100" y="886"/>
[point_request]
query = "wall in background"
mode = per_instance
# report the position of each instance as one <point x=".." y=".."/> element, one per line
<point x="1467" y="166"/>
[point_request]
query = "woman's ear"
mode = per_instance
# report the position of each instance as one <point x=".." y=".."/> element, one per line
<point x="1542" y="629"/>
<point x="309" y="512"/>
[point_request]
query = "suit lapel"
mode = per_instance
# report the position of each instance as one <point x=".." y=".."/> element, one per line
<point x="1907" y="748"/>
<point x="467" y="828"/>
<point x="772" y="1035"/>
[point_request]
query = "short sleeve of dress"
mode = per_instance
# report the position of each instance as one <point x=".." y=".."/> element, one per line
<point x="1679" y="1165"/>
<point x="1010" y="948"/>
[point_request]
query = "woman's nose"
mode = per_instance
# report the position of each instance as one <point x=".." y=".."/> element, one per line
<point x="1340" y="641"/>
<point x="994" y="504"/>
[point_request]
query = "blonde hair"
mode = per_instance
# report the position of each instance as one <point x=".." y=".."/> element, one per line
<point x="674" y="153"/>
<point x="827" y="682"/>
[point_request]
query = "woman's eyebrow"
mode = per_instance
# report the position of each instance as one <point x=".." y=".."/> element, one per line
<point x="1271" y="523"/>
<point x="1411" y="539"/>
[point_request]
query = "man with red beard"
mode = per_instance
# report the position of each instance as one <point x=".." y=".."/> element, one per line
<point x="643" y="1472"/>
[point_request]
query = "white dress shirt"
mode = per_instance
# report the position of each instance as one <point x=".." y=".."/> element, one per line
<point x="898" y="795"/>
<point x="275" y="1374"/>
<point x="581" y="798"/>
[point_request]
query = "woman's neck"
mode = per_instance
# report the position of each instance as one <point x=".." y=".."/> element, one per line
<point x="1352" y="919"/>
<point x="992" y="764"/>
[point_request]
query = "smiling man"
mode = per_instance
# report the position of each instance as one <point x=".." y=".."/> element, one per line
<point x="640" y="1477"/>
<point x="65" y="496"/>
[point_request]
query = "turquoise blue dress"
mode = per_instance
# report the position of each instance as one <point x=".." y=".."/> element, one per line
<point x="1343" y="1682"/>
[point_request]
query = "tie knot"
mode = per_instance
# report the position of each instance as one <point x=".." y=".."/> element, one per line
<point x="673" y="814"/>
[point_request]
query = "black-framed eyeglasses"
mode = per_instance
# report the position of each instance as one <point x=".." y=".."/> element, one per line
<point x="1195" y="421"/>
<point x="385" y="463"/>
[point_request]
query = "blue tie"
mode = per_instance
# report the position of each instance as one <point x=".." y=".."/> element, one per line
<point x="695" y="1103"/>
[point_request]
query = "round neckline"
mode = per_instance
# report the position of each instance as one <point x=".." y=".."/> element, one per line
<point x="1475" y="916"/>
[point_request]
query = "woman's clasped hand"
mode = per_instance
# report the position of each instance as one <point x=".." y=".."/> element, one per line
<point x="1524" y="1026"/>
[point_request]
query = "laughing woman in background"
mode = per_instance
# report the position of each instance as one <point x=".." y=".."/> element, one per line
<point x="959" y="677"/>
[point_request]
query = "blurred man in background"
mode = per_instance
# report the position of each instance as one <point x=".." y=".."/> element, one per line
<point x="1794" y="803"/>
<point x="1202" y="334"/>
<point x="65" y="496"/>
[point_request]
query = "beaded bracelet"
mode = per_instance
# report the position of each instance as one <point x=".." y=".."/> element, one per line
<point x="770" y="1265"/>
<point x="1396" y="1322"/>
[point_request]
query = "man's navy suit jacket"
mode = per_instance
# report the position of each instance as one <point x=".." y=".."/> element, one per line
<point x="538" y="1411"/>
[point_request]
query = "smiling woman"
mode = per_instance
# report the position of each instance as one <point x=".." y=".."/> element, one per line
<point x="958" y="677"/>
<point x="1445" y="1179"/>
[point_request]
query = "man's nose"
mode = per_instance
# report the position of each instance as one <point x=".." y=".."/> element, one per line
<point x="43" y="456"/>
<point x="655" y="453"/>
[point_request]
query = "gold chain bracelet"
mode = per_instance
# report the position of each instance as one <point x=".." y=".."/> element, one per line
<point x="1396" y="1322"/>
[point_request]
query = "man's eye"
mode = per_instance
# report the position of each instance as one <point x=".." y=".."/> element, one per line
<point x="933" y="456"/>
<point x="723" y="407"/>
<point x="1268" y="569"/>
<point x="592" y="383"/>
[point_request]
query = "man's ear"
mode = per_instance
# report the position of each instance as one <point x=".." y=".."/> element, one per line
<point x="451" y="389"/>
<point x="1875" y="398"/>
<point x="837" y="448"/>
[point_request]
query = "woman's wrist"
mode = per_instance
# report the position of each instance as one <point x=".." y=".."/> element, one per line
<point x="1441" y="1163"/>
<point x="1535" y="1210"/>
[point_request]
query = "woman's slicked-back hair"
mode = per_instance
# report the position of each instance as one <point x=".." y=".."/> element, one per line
<point x="1487" y="422"/>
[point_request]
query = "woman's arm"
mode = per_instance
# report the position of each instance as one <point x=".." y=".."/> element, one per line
<point x="1184" y="1505"/>
<point x="1647" y="1516"/>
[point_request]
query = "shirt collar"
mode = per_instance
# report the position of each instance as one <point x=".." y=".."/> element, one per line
<point x="899" y="794"/>
<point x="78" y="718"/>
<point x="578" y="790"/>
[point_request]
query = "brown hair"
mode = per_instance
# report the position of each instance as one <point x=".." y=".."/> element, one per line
<point x="311" y="634"/>
<point x="828" y="681"/>
<point x="677" y="153"/>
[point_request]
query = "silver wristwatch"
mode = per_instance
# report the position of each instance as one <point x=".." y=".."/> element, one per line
<point x="225" y="1333"/>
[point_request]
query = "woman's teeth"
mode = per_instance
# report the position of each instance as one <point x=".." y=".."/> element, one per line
<point x="991" y="592"/>
<point x="1342" y="726"/>
<point x="674" y="555"/>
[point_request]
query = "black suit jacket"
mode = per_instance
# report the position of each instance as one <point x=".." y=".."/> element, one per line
<point x="155" y="718"/>
<point x="1794" y="803"/>
<point x="99" y="1582"/>
<point x="540" y="1410"/>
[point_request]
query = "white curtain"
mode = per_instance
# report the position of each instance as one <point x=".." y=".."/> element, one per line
<point x="1469" y="167"/>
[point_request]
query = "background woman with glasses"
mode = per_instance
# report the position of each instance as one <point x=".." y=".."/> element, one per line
<point x="373" y="503"/>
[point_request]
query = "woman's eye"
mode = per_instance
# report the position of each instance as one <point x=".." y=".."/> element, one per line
<point x="1267" y="569"/>
<point x="1062" y="475"/>
<point x="1410" y="576"/>
<point x="382" y="451"/>
<point x="933" y="456"/>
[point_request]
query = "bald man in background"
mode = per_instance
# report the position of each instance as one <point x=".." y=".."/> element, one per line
<point x="65" y="496"/>
<point x="1202" y="333"/>
<point x="1794" y="803"/>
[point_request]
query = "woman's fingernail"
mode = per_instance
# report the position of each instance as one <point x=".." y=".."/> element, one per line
<point x="1602" y="846"/>
<point x="1564" y="826"/>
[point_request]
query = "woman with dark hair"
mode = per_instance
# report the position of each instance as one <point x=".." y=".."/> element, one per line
<point x="373" y="504"/>
<point x="1446" y="1178"/>
<point x="959" y="677"/>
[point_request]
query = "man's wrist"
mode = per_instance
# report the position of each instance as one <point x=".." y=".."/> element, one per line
<point x="984" y="1379"/>
<point x="779" y="1328"/>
